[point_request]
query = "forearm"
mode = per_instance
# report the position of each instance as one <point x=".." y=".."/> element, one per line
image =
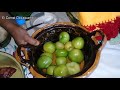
<point x="8" y="24"/>
<point x="19" y="34"/>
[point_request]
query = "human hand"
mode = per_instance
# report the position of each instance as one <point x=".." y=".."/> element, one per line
<point x="18" y="33"/>
<point x="22" y="37"/>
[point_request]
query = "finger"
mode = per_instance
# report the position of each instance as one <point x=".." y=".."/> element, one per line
<point x="32" y="41"/>
<point x="21" y="43"/>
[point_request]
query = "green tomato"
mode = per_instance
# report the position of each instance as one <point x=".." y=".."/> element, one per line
<point x="61" y="60"/>
<point x="47" y="54"/>
<point x="64" y="37"/>
<point x="44" y="62"/>
<point x="76" y="55"/>
<point x="61" y="53"/>
<point x="61" y="71"/>
<point x="59" y="45"/>
<point x="73" y="68"/>
<point x="78" y="42"/>
<point x="50" y="70"/>
<point x="49" y="47"/>
<point x="69" y="46"/>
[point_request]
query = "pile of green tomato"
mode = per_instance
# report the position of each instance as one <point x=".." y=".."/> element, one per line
<point x="67" y="54"/>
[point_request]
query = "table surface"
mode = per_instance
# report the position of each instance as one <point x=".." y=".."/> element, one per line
<point x="109" y="63"/>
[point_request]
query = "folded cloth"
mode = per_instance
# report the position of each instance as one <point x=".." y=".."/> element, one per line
<point x="108" y="22"/>
<point x="109" y="63"/>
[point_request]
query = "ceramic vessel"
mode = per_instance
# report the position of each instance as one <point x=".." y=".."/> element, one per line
<point x="7" y="60"/>
<point x="91" y="50"/>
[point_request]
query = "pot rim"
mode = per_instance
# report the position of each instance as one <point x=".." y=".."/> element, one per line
<point x="57" y="23"/>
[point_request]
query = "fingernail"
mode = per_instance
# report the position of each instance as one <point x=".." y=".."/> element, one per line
<point x="37" y="43"/>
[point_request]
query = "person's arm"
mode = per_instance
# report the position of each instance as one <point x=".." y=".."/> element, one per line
<point x="19" y="34"/>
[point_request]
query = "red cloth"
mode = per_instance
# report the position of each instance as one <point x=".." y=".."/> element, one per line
<point x="111" y="29"/>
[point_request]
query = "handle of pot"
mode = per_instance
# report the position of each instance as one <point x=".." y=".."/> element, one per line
<point x="24" y="52"/>
<point x="99" y="37"/>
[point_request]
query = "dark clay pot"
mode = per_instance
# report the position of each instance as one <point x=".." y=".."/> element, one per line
<point x="91" y="50"/>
